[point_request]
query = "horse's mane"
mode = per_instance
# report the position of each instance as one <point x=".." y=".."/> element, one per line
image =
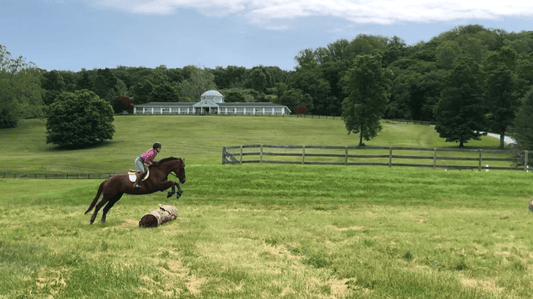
<point x="164" y="160"/>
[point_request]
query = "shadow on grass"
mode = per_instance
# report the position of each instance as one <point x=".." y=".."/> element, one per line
<point x="102" y="144"/>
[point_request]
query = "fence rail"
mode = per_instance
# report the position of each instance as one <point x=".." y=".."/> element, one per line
<point x="54" y="176"/>
<point x="388" y="156"/>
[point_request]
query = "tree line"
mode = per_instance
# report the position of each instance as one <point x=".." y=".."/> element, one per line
<point x="466" y="80"/>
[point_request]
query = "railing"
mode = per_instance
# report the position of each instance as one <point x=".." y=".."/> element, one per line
<point x="54" y="176"/>
<point x="366" y="155"/>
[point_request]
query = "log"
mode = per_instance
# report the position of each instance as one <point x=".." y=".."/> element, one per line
<point x="157" y="217"/>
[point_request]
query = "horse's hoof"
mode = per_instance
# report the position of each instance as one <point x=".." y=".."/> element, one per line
<point x="169" y="194"/>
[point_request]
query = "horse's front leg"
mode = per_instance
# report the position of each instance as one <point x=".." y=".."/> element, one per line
<point x="172" y="192"/>
<point x="180" y="191"/>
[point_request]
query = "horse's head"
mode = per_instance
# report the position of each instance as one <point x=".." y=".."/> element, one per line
<point x="179" y="170"/>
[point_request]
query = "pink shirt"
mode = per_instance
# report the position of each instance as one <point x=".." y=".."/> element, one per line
<point x="149" y="156"/>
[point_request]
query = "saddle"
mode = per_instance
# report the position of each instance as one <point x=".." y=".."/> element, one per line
<point x="132" y="174"/>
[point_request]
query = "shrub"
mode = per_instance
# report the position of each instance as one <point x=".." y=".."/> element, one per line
<point x="79" y="118"/>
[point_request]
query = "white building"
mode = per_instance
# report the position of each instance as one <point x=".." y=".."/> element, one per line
<point x="211" y="102"/>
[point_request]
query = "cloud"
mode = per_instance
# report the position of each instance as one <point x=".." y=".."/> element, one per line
<point x="269" y="13"/>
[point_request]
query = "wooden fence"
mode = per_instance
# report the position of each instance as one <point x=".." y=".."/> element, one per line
<point x="375" y="155"/>
<point x="54" y="176"/>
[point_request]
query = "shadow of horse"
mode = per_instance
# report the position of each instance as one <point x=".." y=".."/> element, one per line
<point x="114" y="187"/>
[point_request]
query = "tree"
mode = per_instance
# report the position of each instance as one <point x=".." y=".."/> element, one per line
<point x="522" y="130"/>
<point x="122" y="104"/>
<point x="53" y="85"/>
<point x="258" y="80"/>
<point x="20" y="90"/>
<point x="234" y="96"/>
<point x="301" y="109"/>
<point x="368" y="88"/>
<point x="79" y="118"/>
<point x="502" y="100"/>
<point x="106" y="85"/>
<point x="142" y="91"/>
<point x="164" y="92"/>
<point x="84" y="81"/>
<point x="460" y="114"/>
<point x="198" y="81"/>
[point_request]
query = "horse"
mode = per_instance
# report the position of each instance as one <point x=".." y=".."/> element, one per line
<point x="114" y="187"/>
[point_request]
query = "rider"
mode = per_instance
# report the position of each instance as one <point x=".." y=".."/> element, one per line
<point x="148" y="159"/>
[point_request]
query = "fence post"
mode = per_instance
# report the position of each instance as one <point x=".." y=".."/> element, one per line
<point x="480" y="159"/>
<point x="303" y="154"/>
<point x="390" y="157"/>
<point x="261" y="155"/>
<point x="434" y="157"/>
<point x="241" y="155"/>
<point x="526" y="154"/>
<point x="223" y="151"/>
<point x="346" y="156"/>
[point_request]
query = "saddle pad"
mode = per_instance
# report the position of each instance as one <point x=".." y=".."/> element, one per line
<point x="132" y="175"/>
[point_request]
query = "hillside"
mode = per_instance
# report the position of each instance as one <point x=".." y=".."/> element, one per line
<point x="199" y="139"/>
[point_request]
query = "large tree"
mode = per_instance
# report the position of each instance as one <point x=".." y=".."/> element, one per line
<point x="522" y="130"/>
<point x="20" y="90"/>
<point x="198" y="81"/>
<point x="79" y="118"/>
<point x="460" y="113"/>
<point x="368" y="88"/>
<point x="503" y="101"/>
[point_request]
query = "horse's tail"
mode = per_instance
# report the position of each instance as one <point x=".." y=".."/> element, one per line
<point x="93" y="203"/>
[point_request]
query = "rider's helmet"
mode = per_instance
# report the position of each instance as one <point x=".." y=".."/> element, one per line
<point x="157" y="144"/>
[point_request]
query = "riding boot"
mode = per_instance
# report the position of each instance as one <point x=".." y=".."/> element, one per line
<point x="138" y="181"/>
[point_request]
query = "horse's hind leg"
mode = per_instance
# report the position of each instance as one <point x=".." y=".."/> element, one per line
<point x="100" y="189"/>
<point x="104" y="200"/>
<point x="110" y="204"/>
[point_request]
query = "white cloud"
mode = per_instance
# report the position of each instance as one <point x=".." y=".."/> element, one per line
<point x="269" y="13"/>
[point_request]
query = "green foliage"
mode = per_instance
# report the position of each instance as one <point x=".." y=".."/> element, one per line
<point x="79" y="119"/>
<point x="258" y="80"/>
<point x="20" y="90"/>
<point x="502" y="99"/>
<point x="142" y="91"/>
<point x="122" y="104"/>
<point x="197" y="82"/>
<point x="522" y="129"/>
<point x="460" y="113"/>
<point x="106" y="85"/>
<point x="233" y="96"/>
<point x="368" y="89"/>
<point x="164" y="92"/>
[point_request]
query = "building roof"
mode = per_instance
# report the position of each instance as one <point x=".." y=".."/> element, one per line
<point x="222" y="105"/>
<point x="166" y="104"/>
<point x="212" y="93"/>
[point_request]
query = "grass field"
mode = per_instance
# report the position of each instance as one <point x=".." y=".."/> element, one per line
<point x="197" y="138"/>
<point x="262" y="231"/>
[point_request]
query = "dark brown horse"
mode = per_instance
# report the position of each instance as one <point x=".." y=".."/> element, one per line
<point x="114" y="187"/>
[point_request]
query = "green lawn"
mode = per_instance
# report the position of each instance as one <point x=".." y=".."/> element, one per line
<point x="199" y="139"/>
<point x="262" y="231"/>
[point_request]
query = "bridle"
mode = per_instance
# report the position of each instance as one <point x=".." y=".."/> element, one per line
<point x="174" y="173"/>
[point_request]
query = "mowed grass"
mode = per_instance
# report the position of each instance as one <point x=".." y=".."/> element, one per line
<point x="199" y="139"/>
<point x="276" y="231"/>
<point x="262" y="231"/>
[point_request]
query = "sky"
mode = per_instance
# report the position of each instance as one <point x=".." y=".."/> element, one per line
<point x="76" y="34"/>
